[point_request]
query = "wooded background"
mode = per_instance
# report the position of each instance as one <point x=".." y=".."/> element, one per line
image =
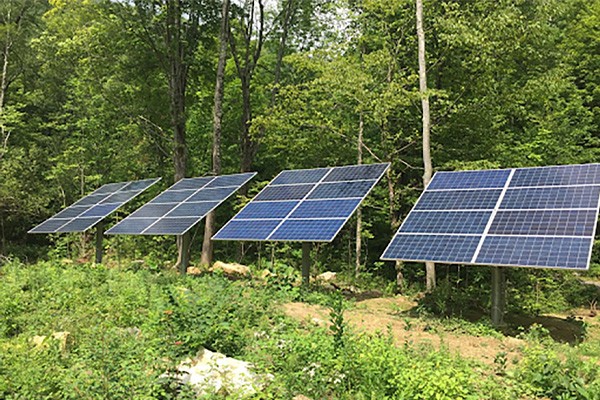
<point x="98" y="91"/>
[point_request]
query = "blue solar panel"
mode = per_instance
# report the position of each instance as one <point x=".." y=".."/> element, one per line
<point x="300" y="176"/>
<point x="312" y="230"/>
<point x="171" y="226"/>
<point x="339" y="190"/>
<point x="236" y="180"/>
<point x="446" y="222"/>
<point x="182" y="206"/>
<point x="326" y="208"/>
<point x="79" y="224"/>
<point x="213" y="194"/>
<point x="304" y="205"/>
<point x="267" y="209"/>
<point x="459" y="200"/>
<point x="469" y="179"/>
<point x="121" y="197"/>
<point x="557" y="252"/>
<point x="114" y="187"/>
<point x="545" y="222"/>
<point x="244" y="229"/>
<point x="172" y="196"/>
<point x="289" y="192"/>
<point x="91" y="209"/>
<point x="588" y="174"/>
<point x="49" y="226"/>
<point x="71" y="212"/>
<point x="91" y="199"/>
<point x="101" y="210"/>
<point x="555" y="197"/>
<point x="542" y="217"/>
<point x="356" y="172"/>
<point x="437" y="248"/>
<point x="132" y="225"/>
<point x="193" y="209"/>
<point x="153" y="210"/>
<point x="191" y="183"/>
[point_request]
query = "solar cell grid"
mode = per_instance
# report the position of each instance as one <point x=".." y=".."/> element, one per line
<point x="566" y="197"/>
<point x="544" y="217"/>
<point x="469" y="179"/>
<point x="299" y="230"/>
<point x="446" y="222"/>
<point x="588" y="174"/>
<point x="437" y="248"/>
<point x="304" y="205"/>
<point x="544" y="222"/>
<point x="91" y="209"/>
<point x="183" y="205"/>
<point x="551" y="252"/>
<point x="459" y="200"/>
<point x="300" y="176"/>
<point x="338" y="190"/>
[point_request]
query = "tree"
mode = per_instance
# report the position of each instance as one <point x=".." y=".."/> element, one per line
<point x="207" y="249"/>
<point x="430" y="267"/>
<point x="246" y="48"/>
<point x="173" y="30"/>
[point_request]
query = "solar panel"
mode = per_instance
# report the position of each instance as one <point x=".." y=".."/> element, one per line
<point x="91" y="209"/>
<point x="310" y="205"/>
<point x="180" y="207"/>
<point x="531" y="217"/>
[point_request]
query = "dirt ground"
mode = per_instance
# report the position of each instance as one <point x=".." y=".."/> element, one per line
<point x="373" y="315"/>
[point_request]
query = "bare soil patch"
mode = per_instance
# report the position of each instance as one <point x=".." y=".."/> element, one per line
<point x="383" y="314"/>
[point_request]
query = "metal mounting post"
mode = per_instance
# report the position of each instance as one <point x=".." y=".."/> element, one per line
<point x="498" y="295"/>
<point x="184" y="252"/>
<point x="306" y="263"/>
<point x="99" y="241"/>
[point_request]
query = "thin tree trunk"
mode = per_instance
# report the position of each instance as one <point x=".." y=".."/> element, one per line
<point x="4" y="135"/>
<point x="429" y="266"/>
<point x="357" y="267"/>
<point x="207" y="247"/>
<point x="177" y="88"/>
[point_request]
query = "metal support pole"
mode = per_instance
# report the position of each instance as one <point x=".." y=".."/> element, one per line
<point x="99" y="241"/>
<point x="498" y="295"/>
<point x="184" y="257"/>
<point x="306" y="263"/>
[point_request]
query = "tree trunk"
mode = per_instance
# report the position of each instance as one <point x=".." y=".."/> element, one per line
<point x="247" y="143"/>
<point x="430" y="267"/>
<point x="207" y="247"/>
<point x="4" y="135"/>
<point x="177" y="88"/>
<point x="357" y="268"/>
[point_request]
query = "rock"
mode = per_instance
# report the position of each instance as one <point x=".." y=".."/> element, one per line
<point x="327" y="276"/>
<point x="266" y="274"/>
<point x="301" y="397"/>
<point x="38" y="341"/>
<point x="194" y="271"/>
<point x="210" y="373"/>
<point x="64" y="340"/>
<point x="233" y="270"/>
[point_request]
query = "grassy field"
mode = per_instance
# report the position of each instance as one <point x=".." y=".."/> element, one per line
<point x="126" y="327"/>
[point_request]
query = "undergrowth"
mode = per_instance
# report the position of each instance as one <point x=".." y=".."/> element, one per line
<point x="126" y="328"/>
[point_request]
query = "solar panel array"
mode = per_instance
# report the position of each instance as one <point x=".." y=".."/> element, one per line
<point x="183" y="205"/>
<point x="536" y="217"/>
<point x="304" y="205"/>
<point x="91" y="209"/>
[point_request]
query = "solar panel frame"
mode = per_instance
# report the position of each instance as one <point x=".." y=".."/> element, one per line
<point x="94" y="206"/>
<point x="588" y="185"/>
<point x="305" y="179"/>
<point x="180" y="205"/>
